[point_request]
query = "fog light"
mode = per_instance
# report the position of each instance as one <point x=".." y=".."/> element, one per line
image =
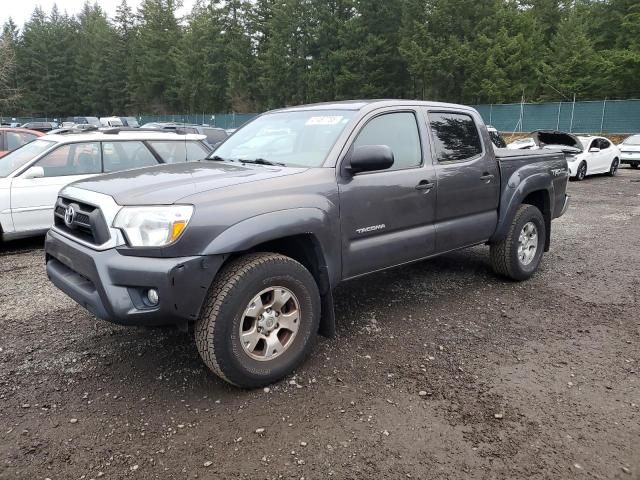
<point x="152" y="296"/>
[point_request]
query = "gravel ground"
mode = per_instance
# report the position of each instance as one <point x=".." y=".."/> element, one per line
<point x="440" y="370"/>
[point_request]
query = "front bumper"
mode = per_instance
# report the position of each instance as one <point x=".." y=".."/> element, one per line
<point x="573" y="168"/>
<point x="112" y="286"/>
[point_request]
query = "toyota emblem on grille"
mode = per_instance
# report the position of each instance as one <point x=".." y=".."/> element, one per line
<point x="69" y="215"/>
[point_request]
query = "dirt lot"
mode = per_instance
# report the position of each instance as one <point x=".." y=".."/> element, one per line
<point x="440" y="370"/>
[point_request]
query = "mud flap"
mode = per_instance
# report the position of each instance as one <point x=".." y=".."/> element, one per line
<point x="328" y="315"/>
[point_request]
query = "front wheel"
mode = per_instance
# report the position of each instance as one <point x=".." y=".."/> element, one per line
<point x="582" y="171"/>
<point x="519" y="255"/>
<point x="634" y="164"/>
<point x="613" y="170"/>
<point x="260" y="319"/>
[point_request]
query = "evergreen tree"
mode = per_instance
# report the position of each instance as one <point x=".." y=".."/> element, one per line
<point x="9" y="93"/>
<point x="251" y="55"/>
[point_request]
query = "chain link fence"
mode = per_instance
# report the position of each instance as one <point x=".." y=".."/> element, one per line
<point x="604" y="116"/>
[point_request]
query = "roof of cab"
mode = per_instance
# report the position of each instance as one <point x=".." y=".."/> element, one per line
<point x="355" y="105"/>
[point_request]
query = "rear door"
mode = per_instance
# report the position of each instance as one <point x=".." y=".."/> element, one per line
<point x="32" y="199"/>
<point x="468" y="179"/>
<point x="387" y="216"/>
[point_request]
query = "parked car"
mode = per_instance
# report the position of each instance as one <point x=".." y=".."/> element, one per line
<point x="13" y="138"/>
<point x="214" y="135"/>
<point x="522" y="144"/>
<point x="586" y="155"/>
<point x="43" y="127"/>
<point x="630" y="151"/>
<point x="163" y="125"/>
<point x="249" y="247"/>
<point x="95" y="121"/>
<point x="111" y="122"/>
<point x="32" y="176"/>
<point x="496" y="138"/>
<point x="130" y="122"/>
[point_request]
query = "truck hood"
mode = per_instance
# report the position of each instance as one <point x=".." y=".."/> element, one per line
<point x="556" y="139"/>
<point x="166" y="184"/>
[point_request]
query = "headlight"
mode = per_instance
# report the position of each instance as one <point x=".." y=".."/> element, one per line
<point x="153" y="226"/>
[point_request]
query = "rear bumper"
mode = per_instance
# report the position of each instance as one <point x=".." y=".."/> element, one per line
<point x="113" y="286"/>
<point x="629" y="159"/>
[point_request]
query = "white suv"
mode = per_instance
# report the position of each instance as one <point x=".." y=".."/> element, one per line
<point x="32" y="175"/>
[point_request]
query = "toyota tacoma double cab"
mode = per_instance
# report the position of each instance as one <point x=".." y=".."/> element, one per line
<point x="249" y="244"/>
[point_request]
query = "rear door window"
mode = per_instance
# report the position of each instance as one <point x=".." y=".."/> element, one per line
<point x="196" y="151"/>
<point x="126" y="155"/>
<point x="604" y="144"/>
<point x="179" y="151"/>
<point x="72" y="159"/>
<point x="455" y="136"/>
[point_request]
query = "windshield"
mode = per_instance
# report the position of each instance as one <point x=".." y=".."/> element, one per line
<point x="291" y="138"/>
<point x="18" y="158"/>
<point x="634" y="140"/>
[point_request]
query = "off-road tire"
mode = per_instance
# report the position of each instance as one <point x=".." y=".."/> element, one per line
<point x="504" y="254"/>
<point x="217" y="329"/>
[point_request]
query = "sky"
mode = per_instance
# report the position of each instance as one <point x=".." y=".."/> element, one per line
<point x="21" y="10"/>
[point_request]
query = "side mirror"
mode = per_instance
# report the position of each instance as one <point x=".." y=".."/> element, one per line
<point x="370" y="158"/>
<point x="594" y="150"/>
<point x="34" y="172"/>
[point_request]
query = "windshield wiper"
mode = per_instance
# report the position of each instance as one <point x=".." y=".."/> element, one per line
<point x="262" y="161"/>
<point x="254" y="161"/>
<point x="218" y="158"/>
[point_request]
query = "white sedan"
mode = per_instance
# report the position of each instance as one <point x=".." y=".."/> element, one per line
<point x="32" y="175"/>
<point x="630" y="151"/>
<point x="586" y="155"/>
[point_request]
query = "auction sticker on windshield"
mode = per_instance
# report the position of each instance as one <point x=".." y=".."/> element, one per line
<point x="324" y="120"/>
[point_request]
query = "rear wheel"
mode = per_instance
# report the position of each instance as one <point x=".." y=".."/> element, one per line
<point x="634" y="164"/>
<point x="260" y="319"/>
<point x="582" y="171"/>
<point x="613" y="170"/>
<point x="519" y="255"/>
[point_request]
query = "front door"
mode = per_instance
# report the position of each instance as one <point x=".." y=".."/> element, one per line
<point x="468" y="180"/>
<point x="387" y="216"/>
<point x="32" y="199"/>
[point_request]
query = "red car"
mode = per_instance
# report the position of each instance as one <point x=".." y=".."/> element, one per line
<point x="12" y="138"/>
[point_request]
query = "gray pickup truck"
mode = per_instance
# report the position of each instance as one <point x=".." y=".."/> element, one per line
<point x="249" y="244"/>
